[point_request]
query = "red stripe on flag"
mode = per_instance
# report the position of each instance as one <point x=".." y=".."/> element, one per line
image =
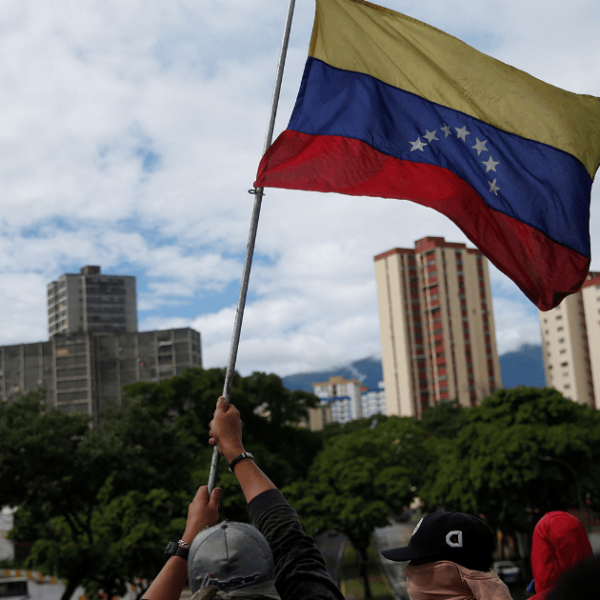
<point x="544" y="270"/>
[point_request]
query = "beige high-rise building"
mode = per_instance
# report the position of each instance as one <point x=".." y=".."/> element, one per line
<point x="437" y="326"/>
<point x="571" y="343"/>
<point x="90" y="302"/>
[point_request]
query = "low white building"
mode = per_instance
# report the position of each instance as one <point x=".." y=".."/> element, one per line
<point x="344" y="400"/>
<point x="373" y="401"/>
<point x="340" y="401"/>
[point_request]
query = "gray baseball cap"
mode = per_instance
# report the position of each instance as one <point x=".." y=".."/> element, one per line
<point x="229" y="556"/>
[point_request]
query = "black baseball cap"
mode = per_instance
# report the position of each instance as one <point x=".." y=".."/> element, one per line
<point x="457" y="537"/>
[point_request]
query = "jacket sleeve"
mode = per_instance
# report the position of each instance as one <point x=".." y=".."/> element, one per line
<point x="300" y="571"/>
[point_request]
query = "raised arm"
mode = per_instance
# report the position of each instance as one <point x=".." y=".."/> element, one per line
<point x="226" y="433"/>
<point x="300" y="571"/>
<point x="203" y="512"/>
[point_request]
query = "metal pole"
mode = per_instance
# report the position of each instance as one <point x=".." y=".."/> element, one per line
<point x="258" y="195"/>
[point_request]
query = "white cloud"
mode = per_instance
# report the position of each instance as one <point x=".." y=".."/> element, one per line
<point x="130" y="133"/>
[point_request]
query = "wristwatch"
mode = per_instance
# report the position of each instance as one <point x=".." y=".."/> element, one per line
<point x="237" y="459"/>
<point x="177" y="549"/>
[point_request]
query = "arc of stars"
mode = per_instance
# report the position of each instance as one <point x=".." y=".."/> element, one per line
<point x="461" y="133"/>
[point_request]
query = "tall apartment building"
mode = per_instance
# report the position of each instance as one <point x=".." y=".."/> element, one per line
<point x="83" y="373"/>
<point x="437" y="326"/>
<point x="90" y="302"/>
<point x="571" y="344"/>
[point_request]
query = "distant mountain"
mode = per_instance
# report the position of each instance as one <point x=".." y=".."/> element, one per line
<point x="523" y="367"/>
<point x="368" y="371"/>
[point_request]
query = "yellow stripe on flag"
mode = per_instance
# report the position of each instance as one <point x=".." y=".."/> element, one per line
<point x="358" y="36"/>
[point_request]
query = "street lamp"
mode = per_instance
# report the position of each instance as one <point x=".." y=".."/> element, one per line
<point x="566" y="464"/>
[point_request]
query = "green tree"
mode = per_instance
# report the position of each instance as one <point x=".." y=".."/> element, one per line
<point x="270" y="413"/>
<point x="495" y="468"/>
<point x="360" y="479"/>
<point x="63" y="474"/>
<point x="100" y="504"/>
<point x="444" y="420"/>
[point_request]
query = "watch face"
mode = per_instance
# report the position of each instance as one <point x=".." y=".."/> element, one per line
<point x="174" y="549"/>
<point x="171" y="548"/>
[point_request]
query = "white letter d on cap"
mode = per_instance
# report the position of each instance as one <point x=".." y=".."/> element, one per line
<point x="454" y="544"/>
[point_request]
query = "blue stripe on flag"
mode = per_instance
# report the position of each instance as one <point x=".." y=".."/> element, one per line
<point x="532" y="182"/>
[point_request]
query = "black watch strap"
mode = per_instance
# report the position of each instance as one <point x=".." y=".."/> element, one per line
<point x="237" y="459"/>
<point x="174" y="549"/>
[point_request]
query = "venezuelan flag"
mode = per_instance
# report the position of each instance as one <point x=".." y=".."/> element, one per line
<point x="391" y="107"/>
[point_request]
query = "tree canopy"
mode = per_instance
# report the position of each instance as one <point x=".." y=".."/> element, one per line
<point x="360" y="479"/>
<point x="520" y="454"/>
<point x="101" y="504"/>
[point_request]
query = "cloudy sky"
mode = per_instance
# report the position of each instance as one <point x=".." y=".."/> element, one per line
<point x="131" y="131"/>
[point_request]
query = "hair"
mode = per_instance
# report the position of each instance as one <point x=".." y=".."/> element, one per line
<point x="582" y="582"/>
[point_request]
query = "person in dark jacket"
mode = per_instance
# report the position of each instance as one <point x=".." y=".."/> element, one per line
<point x="300" y="571"/>
<point x="233" y="561"/>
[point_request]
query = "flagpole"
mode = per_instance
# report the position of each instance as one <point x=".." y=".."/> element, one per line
<point x="258" y="195"/>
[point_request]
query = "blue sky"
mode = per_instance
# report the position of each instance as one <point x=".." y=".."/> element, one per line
<point x="131" y="131"/>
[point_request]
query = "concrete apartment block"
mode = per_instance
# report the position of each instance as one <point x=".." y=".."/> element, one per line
<point x="89" y="302"/>
<point x="84" y="373"/>
<point x="437" y="326"/>
<point x="571" y="343"/>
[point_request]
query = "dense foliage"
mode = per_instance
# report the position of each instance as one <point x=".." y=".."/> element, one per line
<point x="100" y="504"/>
<point x="521" y="453"/>
<point x="363" y="475"/>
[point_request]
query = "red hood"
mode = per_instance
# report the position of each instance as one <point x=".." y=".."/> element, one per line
<point x="559" y="543"/>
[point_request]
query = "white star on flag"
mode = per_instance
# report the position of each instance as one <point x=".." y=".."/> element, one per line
<point x="430" y="135"/>
<point x="480" y="146"/>
<point x="493" y="187"/>
<point x="446" y="130"/>
<point x="417" y="145"/>
<point x="462" y="133"/>
<point x="490" y="164"/>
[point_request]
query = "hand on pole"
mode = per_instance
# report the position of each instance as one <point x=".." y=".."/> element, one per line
<point x="203" y="512"/>
<point x="226" y="430"/>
